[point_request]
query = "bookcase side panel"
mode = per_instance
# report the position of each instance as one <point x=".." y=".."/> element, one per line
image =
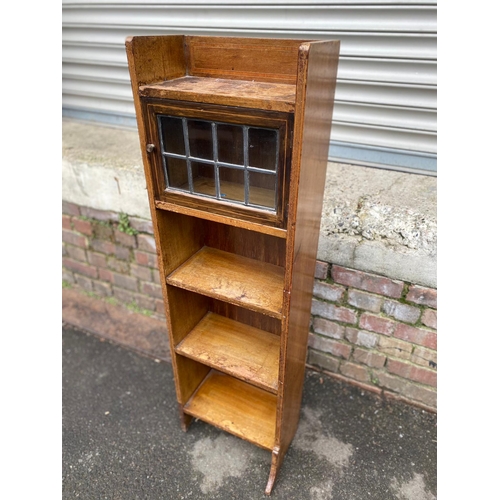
<point x="312" y="134"/>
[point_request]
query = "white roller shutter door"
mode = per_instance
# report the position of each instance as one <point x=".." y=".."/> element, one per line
<point x="385" y="110"/>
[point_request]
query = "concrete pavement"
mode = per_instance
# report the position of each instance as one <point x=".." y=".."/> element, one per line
<point x="122" y="438"/>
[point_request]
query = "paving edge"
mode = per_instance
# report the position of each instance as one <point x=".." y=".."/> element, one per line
<point x="378" y="391"/>
<point x="115" y="323"/>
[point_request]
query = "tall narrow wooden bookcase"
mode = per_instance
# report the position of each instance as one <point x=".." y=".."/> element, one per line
<point x="234" y="135"/>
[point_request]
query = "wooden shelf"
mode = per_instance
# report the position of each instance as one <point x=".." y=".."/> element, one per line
<point x="236" y="407"/>
<point x="223" y="219"/>
<point x="228" y="92"/>
<point x="245" y="282"/>
<point x="245" y="352"/>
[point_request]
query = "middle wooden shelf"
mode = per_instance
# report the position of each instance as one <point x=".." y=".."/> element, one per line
<point x="240" y="350"/>
<point x="235" y="279"/>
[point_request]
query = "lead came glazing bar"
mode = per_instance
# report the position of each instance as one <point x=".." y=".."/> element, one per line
<point x="216" y="160"/>
<point x="188" y="155"/>
<point x="162" y="149"/>
<point x="245" y="163"/>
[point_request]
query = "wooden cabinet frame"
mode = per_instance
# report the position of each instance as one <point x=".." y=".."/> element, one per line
<point x="282" y="122"/>
<point x="237" y="281"/>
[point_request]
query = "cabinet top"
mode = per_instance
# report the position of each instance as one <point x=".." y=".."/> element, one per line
<point x="228" y="92"/>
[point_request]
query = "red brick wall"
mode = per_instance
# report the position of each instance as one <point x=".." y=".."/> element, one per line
<point x="371" y="330"/>
<point x="378" y="332"/>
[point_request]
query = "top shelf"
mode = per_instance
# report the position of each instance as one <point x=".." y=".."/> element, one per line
<point x="243" y="93"/>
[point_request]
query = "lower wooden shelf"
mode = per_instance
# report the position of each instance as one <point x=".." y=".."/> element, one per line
<point x="236" y="407"/>
<point x="243" y="351"/>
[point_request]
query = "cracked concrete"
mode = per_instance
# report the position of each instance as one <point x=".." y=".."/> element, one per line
<point x="374" y="220"/>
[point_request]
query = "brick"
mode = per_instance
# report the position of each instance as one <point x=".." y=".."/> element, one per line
<point x="97" y="259"/>
<point x="80" y="268"/>
<point x="76" y="253"/>
<point x="82" y="226"/>
<point x="152" y="290"/>
<point x="146" y="302"/>
<point x="368" y="282"/>
<point x="156" y="276"/>
<point x="103" y="289"/>
<point x="102" y="215"/>
<point x="105" y="275"/>
<point x="321" y="270"/>
<point x="377" y="324"/>
<point x="401" y="312"/>
<point x="322" y="360"/>
<point x="66" y="222"/>
<point x="423" y="296"/>
<point x="146" y="259"/>
<point x="119" y="266"/>
<point x="122" y="253"/>
<point x="327" y="291"/>
<point x="411" y="372"/>
<point x="74" y="239"/>
<point x="146" y="243"/>
<point x="369" y="358"/>
<point x="141" y="225"/>
<point x="160" y="307"/>
<point x="141" y="272"/>
<point x="102" y="231"/>
<point x="84" y="283"/>
<point x="329" y="346"/>
<point x="395" y="348"/>
<point x="70" y="208"/>
<point x="64" y="251"/>
<point x="355" y="371"/>
<point x="426" y="338"/>
<point x="424" y="357"/>
<point x="328" y="328"/>
<point x="336" y="313"/>
<point x="391" y="382"/>
<point x="124" y="296"/>
<point x="429" y="318"/>
<point x="68" y="277"/>
<point x="412" y="391"/>
<point x="361" y="337"/>
<point x="128" y="240"/>
<point x="103" y="246"/>
<point x="422" y="394"/>
<point x="363" y="300"/>
<point x="127" y="282"/>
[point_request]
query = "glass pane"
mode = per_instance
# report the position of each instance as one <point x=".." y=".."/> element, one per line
<point x="200" y="139"/>
<point x="173" y="136"/>
<point x="177" y="173"/>
<point x="262" y="189"/>
<point x="262" y="148"/>
<point x="203" y="178"/>
<point x="232" y="184"/>
<point x="230" y="143"/>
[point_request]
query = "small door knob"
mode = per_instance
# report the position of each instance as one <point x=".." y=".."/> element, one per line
<point x="150" y="148"/>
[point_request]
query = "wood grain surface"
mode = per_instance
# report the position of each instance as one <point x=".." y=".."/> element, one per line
<point x="235" y="279"/>
<point x="236" y="407"/>
<point x="234" y="348"/>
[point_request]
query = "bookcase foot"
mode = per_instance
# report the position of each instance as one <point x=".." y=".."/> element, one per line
<point x="276" y="460"/>
<point x="185" y="419"/>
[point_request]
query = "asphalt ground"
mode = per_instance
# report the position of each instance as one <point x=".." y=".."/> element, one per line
<point x="121" y="438"/>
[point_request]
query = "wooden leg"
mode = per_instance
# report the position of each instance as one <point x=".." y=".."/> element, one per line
<point x="185" y="419"/>
<point x="276" y="461"/>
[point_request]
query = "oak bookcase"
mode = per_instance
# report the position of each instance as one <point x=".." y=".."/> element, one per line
<point x="234" y="135"/>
